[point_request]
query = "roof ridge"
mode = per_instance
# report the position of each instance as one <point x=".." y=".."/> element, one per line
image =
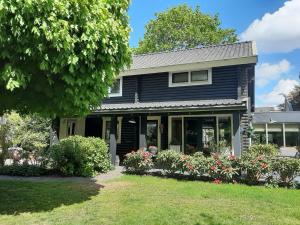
<point x="189" y="49"/>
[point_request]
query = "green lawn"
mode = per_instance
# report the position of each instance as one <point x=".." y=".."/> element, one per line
<point x="145" y="200"/>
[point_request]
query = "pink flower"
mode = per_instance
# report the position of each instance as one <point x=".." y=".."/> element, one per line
<point x="217" y="181"/>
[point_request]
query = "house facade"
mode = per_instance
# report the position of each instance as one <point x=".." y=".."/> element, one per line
<point x="186" y="100"/>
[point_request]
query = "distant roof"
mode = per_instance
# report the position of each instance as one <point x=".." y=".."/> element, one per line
<point x="265" y="109"/>
<point x="280" y="117"/>
<point x="171" y="105"/>
<point x="224" y="52"/>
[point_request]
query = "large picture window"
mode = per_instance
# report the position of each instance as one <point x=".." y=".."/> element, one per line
<point x="200" y="133"/>
<point x="195" y="77"/>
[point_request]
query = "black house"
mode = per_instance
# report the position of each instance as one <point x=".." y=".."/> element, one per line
<point x="186" y="100"/>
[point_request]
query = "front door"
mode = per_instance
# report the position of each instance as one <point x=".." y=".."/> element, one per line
<point x="153" y="131"/>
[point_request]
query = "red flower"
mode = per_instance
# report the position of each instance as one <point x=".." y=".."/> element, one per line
<point x="232" y="157"/>
<point x="217" y="181"/>
<point x="218" y="162"/>
<point x="213" y="168"/>
<point x="264" y="165"/>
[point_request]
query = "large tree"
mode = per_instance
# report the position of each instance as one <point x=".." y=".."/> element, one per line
<point x="182" y="27"/>
<point x="294" y="97"/>
<point x="58" y="57"/>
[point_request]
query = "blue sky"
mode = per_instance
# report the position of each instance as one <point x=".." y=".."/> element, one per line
<point x="273" y="24"/>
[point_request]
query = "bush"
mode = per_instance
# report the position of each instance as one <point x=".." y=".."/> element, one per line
<point x="262" y="149"/>
<point x="254" y="167"/>
<point x="287" y="169"/>
<point x="23" y="170"/>
<point x="168" y="160"/>
<point x="80" y="156"/>
<point x="195" y="165"/>
<point x="223" y="168"/>
<point x="138" y="162"/>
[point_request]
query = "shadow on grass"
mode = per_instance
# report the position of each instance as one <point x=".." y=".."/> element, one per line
<point x="28" y="196"/>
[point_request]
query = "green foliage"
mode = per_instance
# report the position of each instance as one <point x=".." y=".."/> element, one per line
<point x="223" y="168"/>
<point x="254" y="167"/>
<point x="263" y="149"/>
<point x="182" y="27"/>
<point x="287" y="169"/>
<point x="58" y="57"/>
<point x="168" y="160"/>
<point x="138" y="162"/>
<point x="29" y="132"/>
<point x="80" y="156"/>
<point x="23" y="170"/>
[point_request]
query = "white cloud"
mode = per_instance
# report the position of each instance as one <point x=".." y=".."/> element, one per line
<point x="274" y="97"/>
<point x="277" y="32"/>
<point x="266" y="72"/>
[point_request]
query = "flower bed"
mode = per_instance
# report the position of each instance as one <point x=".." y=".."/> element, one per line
<point x="252" y="168"/>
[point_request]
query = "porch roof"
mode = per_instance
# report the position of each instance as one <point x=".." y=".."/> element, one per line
<point x="172" y="106"/>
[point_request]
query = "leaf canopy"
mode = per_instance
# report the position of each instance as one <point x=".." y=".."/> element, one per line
<point x="58" y="57"/>
<point x="182" y="27"/>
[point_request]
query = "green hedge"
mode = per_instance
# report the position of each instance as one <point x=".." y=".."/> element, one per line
<point x="80" y="156"/>
<point x="23" y="170"/>
<point x="251" y="168"/>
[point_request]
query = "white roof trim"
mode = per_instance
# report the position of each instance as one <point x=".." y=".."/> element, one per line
<point x="191" y="66"/>
<point x="254" y="48"/>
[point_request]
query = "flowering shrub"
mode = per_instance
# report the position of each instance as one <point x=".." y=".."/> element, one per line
<point x="195" y="165"/>
<point x="224" y="168"/>
<point x="254" y="167"/>
<point x="287" y="170"/>
<point x="138" y="162"/>
<point x="263" y="149"/>
<point x="168" y="160"/>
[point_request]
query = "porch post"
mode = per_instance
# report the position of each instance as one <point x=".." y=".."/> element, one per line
<point x="236" y="142"/>
<point x="113" y="139"/>
<point x="142" y="131"/>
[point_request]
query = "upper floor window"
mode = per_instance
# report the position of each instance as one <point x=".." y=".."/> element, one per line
<point x="195" y="77"/>
<point x="116" y="89"/>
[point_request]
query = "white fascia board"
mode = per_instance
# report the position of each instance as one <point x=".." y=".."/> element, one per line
<point x="191" y="66"/>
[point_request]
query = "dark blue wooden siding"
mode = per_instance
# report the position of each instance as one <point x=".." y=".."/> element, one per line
<point x="128" y="93"/>
<point x="154" y="87"/>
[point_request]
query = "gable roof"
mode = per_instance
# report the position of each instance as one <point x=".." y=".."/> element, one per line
<point x="216" y="55"/>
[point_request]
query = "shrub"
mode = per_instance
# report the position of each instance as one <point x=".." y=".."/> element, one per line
<point x="80" y="156"/>
<point x="168" y="160"/>
<point x="223" y="168"/>
<point x="195" y="165"/>
<point x="263" y="149"/>
<point x="138" y="162"/>
<point x="254" y="167"/>
<point x="23" y="170"/>
<point x="287" y="169"/>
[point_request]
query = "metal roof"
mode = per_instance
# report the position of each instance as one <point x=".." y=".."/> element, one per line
<point x="274" y="117"/>
<point x="195" y="55"/>
<point x="171" y="105"/>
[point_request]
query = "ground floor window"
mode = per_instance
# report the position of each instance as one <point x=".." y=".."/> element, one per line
<point x="106" y="121"/>
<point x="152" y="131"/>
<point x="200" y="133"/>
<point x="275" y="134"/>
<point x="71" y="125"/>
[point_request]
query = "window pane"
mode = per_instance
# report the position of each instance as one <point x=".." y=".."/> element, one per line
<point x="275" y="135"/>
<point x="201" y="75"/>
<point x="115" y="89"/>
<point x="180" y="77"/>
<point x="152" y="130"/>
<point x="176" y="138"/>
<point x="225" y="131"/>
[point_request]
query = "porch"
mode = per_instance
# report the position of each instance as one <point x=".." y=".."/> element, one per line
<point x="188" y="129"/>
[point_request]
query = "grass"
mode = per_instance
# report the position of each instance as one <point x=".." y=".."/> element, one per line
<point x="145" y="200"/>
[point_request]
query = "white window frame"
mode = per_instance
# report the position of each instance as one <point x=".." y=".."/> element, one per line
<point x="201" y="115"/>
<point x="70" y="127"/>
<point x="119" y="128"/>
<point x="121" y="89"/>
<point x="190" y="82"/>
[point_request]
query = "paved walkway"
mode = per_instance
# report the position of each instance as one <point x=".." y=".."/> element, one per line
<point x="113" y="174"/>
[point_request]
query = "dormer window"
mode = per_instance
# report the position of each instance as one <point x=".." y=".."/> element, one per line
<point x="195" y="77"/>
<point x="116" y="89"/>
